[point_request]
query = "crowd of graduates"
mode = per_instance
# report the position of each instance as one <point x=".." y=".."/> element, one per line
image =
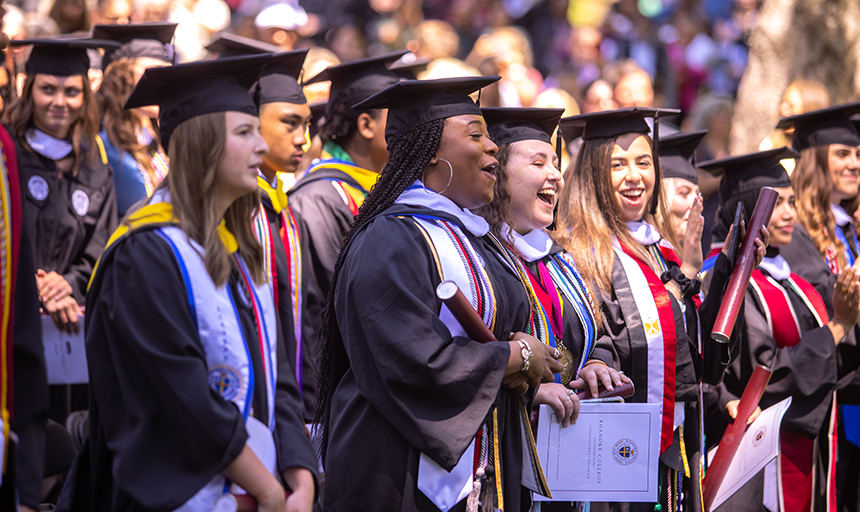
<point x="249" y="239"/>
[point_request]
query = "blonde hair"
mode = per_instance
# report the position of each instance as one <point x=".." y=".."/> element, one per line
<point x="196" y="148"/>
<point x="589" y="215"/>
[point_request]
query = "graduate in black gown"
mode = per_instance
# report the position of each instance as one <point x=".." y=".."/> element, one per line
<point x="787" y="330"/>
<point x="24" y="391"/>
<point x="190" y="388"/>
<point x="566" y="314"/>
<point x="417" y="415"/>
<point x="328" y="196"/>
<point x="284" y="117"/>
<point x="648" y="290"/>
<point x="69" y="205"/>
<point x="826" y="182"/>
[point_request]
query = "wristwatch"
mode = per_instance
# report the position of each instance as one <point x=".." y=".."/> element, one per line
<point x="527" y="354"/>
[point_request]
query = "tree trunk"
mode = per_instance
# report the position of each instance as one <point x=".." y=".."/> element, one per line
<point x="812" y="39"/>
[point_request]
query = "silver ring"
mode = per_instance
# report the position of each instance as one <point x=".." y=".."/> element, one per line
<point x="570" y="392"/>
<point x="566" y="399"/>
<point x="556" y="354"/>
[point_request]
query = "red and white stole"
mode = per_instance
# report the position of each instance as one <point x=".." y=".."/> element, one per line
<point x="658" y="320"/>
<point x="797" y="452"/>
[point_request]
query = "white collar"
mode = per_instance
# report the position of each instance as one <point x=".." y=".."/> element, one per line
<point x="777" y="267"/>
<point x="48" y="146"/>
<point x="417" y="195"/>
<point x="532" y="246"/>
<point x="644" y="233"/>
<point x="842" y="217"/>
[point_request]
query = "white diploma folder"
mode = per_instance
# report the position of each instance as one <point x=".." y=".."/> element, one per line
<point x="610" y="454"/>
<point x="65" y="354"/>
<point x="759" y="446"/>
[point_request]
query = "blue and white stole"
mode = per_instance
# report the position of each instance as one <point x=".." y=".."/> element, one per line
<point x="228" y="361"/>
<point x="536" y="245"/>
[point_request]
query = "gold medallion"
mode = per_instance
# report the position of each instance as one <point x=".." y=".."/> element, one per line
<point x="566" y="360"/>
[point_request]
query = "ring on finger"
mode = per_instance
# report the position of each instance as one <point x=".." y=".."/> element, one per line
<point x="565" y="399"/>
<point x="570" y="392"/>
<point x="556" y="354"/>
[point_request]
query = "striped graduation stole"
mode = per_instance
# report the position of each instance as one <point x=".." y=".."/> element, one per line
<point x="6" y="281"/>
<point x="566" y="277"/>
<point x="658" y="321"/>
<point x="352" y="196"/>
<point x="288" y="235"/>
<point x="797" y="451"/>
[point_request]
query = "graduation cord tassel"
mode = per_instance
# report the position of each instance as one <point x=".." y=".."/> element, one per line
<point x="473" y="501"/>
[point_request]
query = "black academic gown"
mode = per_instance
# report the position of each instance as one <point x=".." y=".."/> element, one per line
<point x="158" y="432"/>
<point x="624" y="346"/>
<point x="63" y="240"/>
<point x="285" y="313"/>
<point x="804" y="259"/>
<point x="29" y="407"/>
<point x="807" y="372"/>
<point x="402" y="385"/>
<point x="325" y="219"/>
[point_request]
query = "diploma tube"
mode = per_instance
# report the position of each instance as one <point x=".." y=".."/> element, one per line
<point x="469" y="319"/>
<point x="731" y="440"/>
<point x="744" y="265"/>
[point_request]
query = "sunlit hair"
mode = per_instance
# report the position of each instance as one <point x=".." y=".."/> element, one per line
<point x="196" y="147"/>
<point x="82" y="133"/>
<point x="589" y="215"/>
<point x="123" y="125"/>
<point x="498" y="212"/>
<point x="812" y="187"/>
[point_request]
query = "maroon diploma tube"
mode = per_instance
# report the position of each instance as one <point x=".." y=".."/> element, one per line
<point x="733" y="435"/>
<point x="744" y="266"/>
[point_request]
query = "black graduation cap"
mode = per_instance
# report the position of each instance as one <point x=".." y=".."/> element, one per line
<point x="226" y="44"/>
<point x="823" y="127"/>
<point x="188" y="90"/>
<point x="356" y="80"/>
<point x="751" y="172"/>
<point x="317" y="117"/>
<point x="138" y="40"/>
<point x="409" y="70"/>
<point x="612" y="123"/>
<point x="676" y="153"/>
<point x="279" y="81"/>
<point x="507" y="125"/>
<point x="60" y="57"/>
<point x="414" y="102"/>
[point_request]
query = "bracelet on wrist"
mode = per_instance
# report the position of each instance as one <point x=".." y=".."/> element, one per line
<point x="527" y="354"/>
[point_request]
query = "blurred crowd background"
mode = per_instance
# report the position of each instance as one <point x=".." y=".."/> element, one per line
<point x="585" y="55"/>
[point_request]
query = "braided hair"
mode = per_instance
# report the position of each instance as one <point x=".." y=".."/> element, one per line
<point x="408" y="157"/>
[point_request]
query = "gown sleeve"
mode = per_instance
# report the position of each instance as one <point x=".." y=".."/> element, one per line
<point x="81" y="269"/>
<point x="167" y="431"/>
<point x="435" y="390"/>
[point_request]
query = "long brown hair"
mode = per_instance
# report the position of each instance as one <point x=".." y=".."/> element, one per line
<point x="589" y="215"/>
<point x="122" y="125"/>
<point x="82" y="132"/>
<point x="498" y="212"/>
<point x="812" y="187"/>
<point x="196" y="148"/>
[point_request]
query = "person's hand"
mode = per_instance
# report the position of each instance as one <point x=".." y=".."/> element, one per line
<point x="562" y="399"/>
<point x="846" y="304"/>
<point x="732" y="409"/>
<point x="64" y="312"/>
<point x="544" y="362"/>
<point x="272" y="499"/>
<point x="596" y="373"/>
<point x="301" y="496"/>
<point x="691" y="263"/>
<point x="51" y="286"/>
<point x="761" y="243"/>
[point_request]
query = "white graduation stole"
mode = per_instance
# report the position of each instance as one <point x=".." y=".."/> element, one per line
<point x="446" y="489"/>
